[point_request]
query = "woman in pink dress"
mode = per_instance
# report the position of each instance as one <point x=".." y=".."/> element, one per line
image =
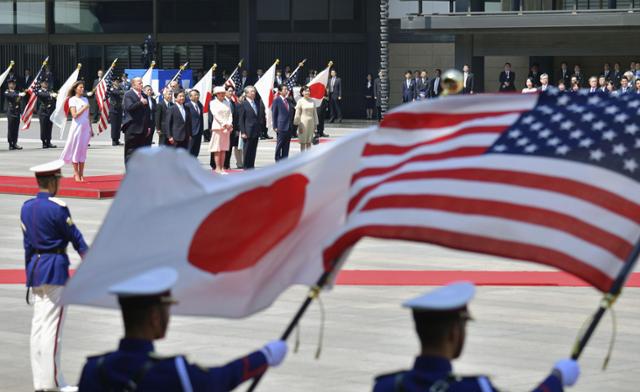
<point x="221" y="127"/>
<point x="75" y="150"/>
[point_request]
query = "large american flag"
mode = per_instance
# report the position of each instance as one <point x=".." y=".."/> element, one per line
<point x="550" y="178"/>
<point x="30" y="107"/>
<point x="102" y="99"/>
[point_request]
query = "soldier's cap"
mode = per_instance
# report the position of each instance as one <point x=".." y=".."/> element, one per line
<point x="44" y="80"/>
<point x="53" y="168"/>
<point x="153" y="285"/>
<point x="453" y="297"/>
<point x="11" y="79"/>
<point x="219" y="89"/>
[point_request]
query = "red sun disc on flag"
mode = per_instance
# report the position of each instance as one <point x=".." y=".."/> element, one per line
<point x="239" y="233"/>
<point x="317" y="90"/>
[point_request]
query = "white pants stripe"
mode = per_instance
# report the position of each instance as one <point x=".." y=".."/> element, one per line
<point x="46" y="336"/>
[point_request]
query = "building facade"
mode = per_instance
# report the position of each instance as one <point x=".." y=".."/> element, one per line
<point x="94" y="32"/>
<point x="486" y="34"/>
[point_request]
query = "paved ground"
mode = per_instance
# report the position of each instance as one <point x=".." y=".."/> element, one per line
<point x="519" y="332"/>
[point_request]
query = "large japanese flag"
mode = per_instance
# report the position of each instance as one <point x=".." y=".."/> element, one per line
<point x="59" y="115"/>
<point x="237" y="241"/>
<point x="318" y="86"/>
<point x="205" y="88"/>
<point x="147" y="78"/>
<point x="264" y="87"/>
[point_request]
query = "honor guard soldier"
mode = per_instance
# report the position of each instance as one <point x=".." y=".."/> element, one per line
<point x="47" y="106"/>
<point x="145" y="301"/>
<point x="47" y="229"/>
<point x="13" y="113"/>
<point x="440" y="319"/>
<point x="116" y="93"/>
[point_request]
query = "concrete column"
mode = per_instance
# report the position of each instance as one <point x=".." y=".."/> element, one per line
<point x="248" y="33"/>
<point x="463" y="50"/>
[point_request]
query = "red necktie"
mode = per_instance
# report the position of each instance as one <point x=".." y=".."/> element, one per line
<point x="286" y="105"/>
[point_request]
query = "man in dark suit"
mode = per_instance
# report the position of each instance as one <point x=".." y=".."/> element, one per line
<point x="577" y="73"/>
<point x="435" y="86"/>
<point x="624" y="86"/>
<point x="335" y="96"/>
<point x="153" y="107"/>
<point x="94" y="102"/>
<point x="47" y="104"/>
<point x="197" y="122"/>
<point x="507" y="79"/>
<point x="422" y="86"/>
<point x="616" y="76"/>
<point x="235" y="135"/>
<point x="179" y="123"/>
<point x="606" y="72"/>
<point x="27" y="79"/>
<point x="408" y="88"/>
<point x="250" y="125"/>
<point x="282" y="111"/>
<point x="565" y="75"/>
<point x="534" y="75"/>
<point x="162" y="117"/>
<point x="136" y="123"/>
<point x="467" y="80"/>
<point x="116" y="93"/>
<point x="244" y="80"/>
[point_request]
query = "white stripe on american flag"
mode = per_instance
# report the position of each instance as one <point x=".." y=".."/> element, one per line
<point x="579" y="209"/>
<point x="103" y="104"/>
<point x="29" y="108"/>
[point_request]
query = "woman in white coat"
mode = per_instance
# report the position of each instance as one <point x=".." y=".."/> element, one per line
<point x="221" y="127"/>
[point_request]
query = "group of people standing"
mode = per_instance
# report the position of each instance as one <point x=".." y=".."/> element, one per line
<point x="418" y="85"/>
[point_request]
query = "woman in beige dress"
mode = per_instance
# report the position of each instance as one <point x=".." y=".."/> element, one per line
<point x="220" y="128"/>
<point x="306" y="119"/>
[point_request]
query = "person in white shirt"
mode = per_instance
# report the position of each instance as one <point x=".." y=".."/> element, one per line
<point x="530" y="87"/>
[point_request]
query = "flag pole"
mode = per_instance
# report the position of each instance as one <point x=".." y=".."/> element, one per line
<point x="182" y="68"/>
<point x="313" y="293"/>
<point x="300" y="65"/>
<point x="607" y="301"/>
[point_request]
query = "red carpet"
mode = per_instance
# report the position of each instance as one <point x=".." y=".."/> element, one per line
<point x="423" y="278"/>
<point x="96" y="187"/>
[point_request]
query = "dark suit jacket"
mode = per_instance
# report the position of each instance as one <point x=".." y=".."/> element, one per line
<point x="153" y="107"/>
<point x="179" y="129"/>
<point x="468" y="88"/>
<point x="162" y="117"/>
<point x="536" y="78"/>
<point x="510" y="81"/>
<point x="408" y="92"/>
<point x="197" y="120"/>
<point x="616" y="77"/>
<point x="282" y="117"/>
<point x="337" y="88"/>
<point x="249" y="122"/>
<point x="377" y="90"/>
<point x="433" y="90"/>
<point x="580" y="78"/>
<point x="566" y="78"/>
<point x="423" y="87"/>
<point x="136" y="118"/>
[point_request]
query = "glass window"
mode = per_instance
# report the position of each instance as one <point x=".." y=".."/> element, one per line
<point x="30" y="16"/>
<point x="90" y="16"/>
<point x="198" y="16"/>
<point x="342" y="9"/>
<point x="273" y="10"/>
<point x="311" y="10"/>
<point x="6" y="17"/>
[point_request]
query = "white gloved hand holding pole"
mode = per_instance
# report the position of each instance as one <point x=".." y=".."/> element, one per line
<point x="275" y="351"/>
<point x="569" y="371"/>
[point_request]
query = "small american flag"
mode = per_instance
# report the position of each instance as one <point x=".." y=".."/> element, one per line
<point x="102" y="100"/>
<point x="550" y="178"/>
<point x="31" y="103"/>
<point x="292" y="81"/>
<point x="234" y="81"/>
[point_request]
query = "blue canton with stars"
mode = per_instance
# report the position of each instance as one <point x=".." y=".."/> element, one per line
<point x="594" y="128"/>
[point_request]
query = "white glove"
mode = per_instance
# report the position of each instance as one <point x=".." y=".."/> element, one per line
<point x="275" y="351"/>
<point x="569" y="371"/>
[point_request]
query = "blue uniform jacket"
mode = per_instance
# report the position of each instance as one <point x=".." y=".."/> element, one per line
<point x="113" y="371"/>
<point x="430" y="370"/>
<point x="47" y="229"/>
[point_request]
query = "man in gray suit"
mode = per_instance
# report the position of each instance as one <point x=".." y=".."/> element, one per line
<point x="335" y="96"/>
